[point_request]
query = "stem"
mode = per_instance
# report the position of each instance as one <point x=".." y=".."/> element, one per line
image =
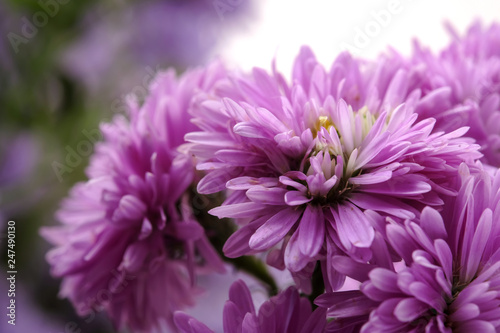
<point x="318" y="285"/>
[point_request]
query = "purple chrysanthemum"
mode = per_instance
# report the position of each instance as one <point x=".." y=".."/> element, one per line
<point x="302" y="162"/>
<point x="285" y="313"/>
<point x="130" y="242"/>
<point x="460" y="86"/>
<point x="450" y="280"/>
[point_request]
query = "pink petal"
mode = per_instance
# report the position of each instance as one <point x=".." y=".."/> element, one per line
<point x="187" y="324"/>
<point x="237" y="244"/>
<point x="238" y="157"/>
<point x="250" y="323"/>
<point x="146" y="229"/>
<point x="476" y="326"/>
<point x="356" y="270"/>
<point x="232" y="317"/>
<point x="239" y="210"/>
<point x="239" y="294"/>
<point x="465" y="313"/>
<point x="479" y="243"/>
<point x="410" y="309"/>
<point x="371" y="178"/>
<point x="354" y="226"/>
<point x="129" y="208"/>
<point x="424" y="293"/>
<point x="384" y="280"/>
<point x="274" y="229"/>
<point x="207" y="138"/>
<point x="294" y="259"/>
<point x="311" y="231"/>
<point x="266" y="195"/>
<point x="250" y="130"/>
<point x="296" y="198"/>
<point x="383" y="204"/>
<point x="245" y="183"/>
<point x="432" y="223"/>
<point x="214" y="181"/>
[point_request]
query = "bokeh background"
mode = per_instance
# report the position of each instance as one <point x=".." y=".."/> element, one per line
<point x="67" y="65"/>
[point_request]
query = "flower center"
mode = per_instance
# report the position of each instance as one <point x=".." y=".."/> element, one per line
<point x="323" y="121"/>
<point x="331" y="163"/>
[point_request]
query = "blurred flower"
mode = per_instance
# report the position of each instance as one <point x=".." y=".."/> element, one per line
<point x="130" y="242"/>
<point x="148" y="34"/>
<point x="479" y="42"/>
<point x="26" y="316"/>
<point x="451" y="273"/>
<point x="302" y="162"/>
<point x="286" y="312"/>
<point x="18" y="158"/>
<point x="460" y="86"/>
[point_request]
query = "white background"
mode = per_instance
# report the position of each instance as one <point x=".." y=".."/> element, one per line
<point x="282" y="26"/>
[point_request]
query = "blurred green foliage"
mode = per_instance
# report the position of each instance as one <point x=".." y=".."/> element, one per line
<point x="38" y="99"/>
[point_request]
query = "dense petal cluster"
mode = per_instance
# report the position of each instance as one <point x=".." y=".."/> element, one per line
<point x="450" y="277"/>
<point x="285" y="313"/>
<point x="130" y="242"/>
<point x="302" y="162"/>
<point x="368" y="171"/>
<point x="460" y="85"/>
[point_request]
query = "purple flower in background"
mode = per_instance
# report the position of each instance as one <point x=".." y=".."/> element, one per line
<point x="284" y="313"/>
<point x="450" y="277"/>
<point x="19" y="157"/>
<point x="183" y="33"/>
<point x="302" y="162"/>
<point x="130" y="242"/>
<point x="479" y="42"/>
<point x="460" y="86"/>
<point x="146" y="35"/>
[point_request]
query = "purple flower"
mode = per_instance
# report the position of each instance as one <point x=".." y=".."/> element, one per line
<point x="460" y="86"/>
<point x="450" y="277"/>
<point x="130" y="242"/>
<point x="19" y="157"/>
<point x="140" y="37"/>
<point x="303" y="161"/>
<point x="182" y="33"/>
<point x="286" y="312"/>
